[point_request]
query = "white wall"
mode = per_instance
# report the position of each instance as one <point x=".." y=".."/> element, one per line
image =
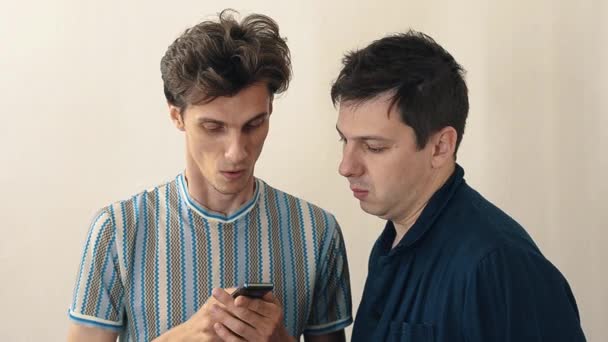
<point x="84" y="123"/>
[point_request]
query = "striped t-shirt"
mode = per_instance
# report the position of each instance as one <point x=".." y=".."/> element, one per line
<point x="150" y="262"/>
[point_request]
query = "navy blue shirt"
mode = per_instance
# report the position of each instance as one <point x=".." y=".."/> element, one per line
<point x="465" y="271"/>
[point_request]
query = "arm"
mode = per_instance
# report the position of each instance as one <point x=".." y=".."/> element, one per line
<point x="78" y="333"/>
<point x="518" y="295"/>
<point x="331" y="309"/>
<point x="280" y="332"/>
<point x="249" y="319"/>
<point x="97" y="308"/>
<point x="197" y="328"/>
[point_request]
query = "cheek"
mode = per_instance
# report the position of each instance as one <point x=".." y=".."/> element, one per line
<point x="391" y="175"/>
<point x="385" y="169"/>
<point x="386" y="181"/>
<point x="203" y="149"/>
<point x="257" y="139"/>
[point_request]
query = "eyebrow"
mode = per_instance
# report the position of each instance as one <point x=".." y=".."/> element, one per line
<point x="365" y="137"/>
<point x="208" y="120"/>
<point x="256" y="117"/>
<point x="219" y="122"/>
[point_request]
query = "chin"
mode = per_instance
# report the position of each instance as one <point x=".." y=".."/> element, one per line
<point x="370" y="209"/>
<point x="231" y="188"/>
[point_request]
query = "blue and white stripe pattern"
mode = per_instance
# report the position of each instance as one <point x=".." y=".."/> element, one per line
<point x="151" y="261"/>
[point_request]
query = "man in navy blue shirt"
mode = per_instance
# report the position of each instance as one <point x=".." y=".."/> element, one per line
<point x="449" y="265"/>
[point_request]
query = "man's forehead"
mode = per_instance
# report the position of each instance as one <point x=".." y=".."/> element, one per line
<point x="247" y="103"/>
<point x="370" y="114"/>
<point x="383" y="105"/>
<point x="221" y="112"/>
<point x="371" y="120"/>
<point x="367" y="131"/>
<point x="229" y="118"/>
<point x="385" y="98"/>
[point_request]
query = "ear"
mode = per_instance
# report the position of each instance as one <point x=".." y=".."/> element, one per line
<point x="444" y="145"/>
<point x="177" y="117"/>
<point x="270" y="105"/>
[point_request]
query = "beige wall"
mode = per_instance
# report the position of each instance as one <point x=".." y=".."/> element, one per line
<point x="84" y="123"/>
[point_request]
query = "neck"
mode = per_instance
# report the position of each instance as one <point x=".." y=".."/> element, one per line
<point x="211" y="198"/>
<point x="436" y="181"/>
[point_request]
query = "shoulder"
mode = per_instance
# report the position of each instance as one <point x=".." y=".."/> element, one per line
<point x="478" y="230"/>
<point x="314" y="220"/>
<point x="474" y="208"/>
<point x="280" y="197"/>
<point x="123" y="214"/>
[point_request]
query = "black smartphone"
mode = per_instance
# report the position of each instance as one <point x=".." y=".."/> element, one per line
<point x="254" y="290"/>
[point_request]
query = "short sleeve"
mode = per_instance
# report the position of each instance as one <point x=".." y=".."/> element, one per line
<point x="331" y="309"/>
<point x="517" y="295"/>
<point x="98" y="292"/>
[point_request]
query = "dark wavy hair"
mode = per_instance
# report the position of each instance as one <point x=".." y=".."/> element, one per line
<point x="220" y="58"/>
<point x="426" y="83"/>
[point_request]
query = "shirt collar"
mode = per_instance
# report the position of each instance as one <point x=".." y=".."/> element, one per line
<point x="211" y="215"/>
<point x="428" y="216"/>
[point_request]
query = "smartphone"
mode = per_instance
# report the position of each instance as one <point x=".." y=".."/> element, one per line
<point x="254" y="290"/>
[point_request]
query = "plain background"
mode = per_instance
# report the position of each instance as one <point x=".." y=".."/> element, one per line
<point x="84" y="123"/>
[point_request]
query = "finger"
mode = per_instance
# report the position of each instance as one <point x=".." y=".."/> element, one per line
<point x="225" y="334"/>
<point x="270" y="297"/>
<point x="235" y="325"/>
<point x="223" y="297"/>
<point x="259" y="306"/>
<point x="203" y="311"/>
<point x="244" y="314"/>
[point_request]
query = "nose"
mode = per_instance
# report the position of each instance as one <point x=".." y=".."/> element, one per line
<point x="236" y="152"/>
<point x="350" y="166"/>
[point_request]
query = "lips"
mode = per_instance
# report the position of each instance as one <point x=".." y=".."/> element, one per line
<point x="236" y="174"/>
<point x="359" y="192"/>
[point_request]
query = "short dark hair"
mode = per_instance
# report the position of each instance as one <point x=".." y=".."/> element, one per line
<point x="220" y="58"/>
<point x="427" y="83"/>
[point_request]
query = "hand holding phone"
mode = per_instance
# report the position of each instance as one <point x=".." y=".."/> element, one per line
<point x="253" y="290"/>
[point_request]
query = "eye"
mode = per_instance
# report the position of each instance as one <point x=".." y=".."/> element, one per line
<point x="255" y="123"/>
<point x="375" y="149"/>
<point x="212" y="127"/>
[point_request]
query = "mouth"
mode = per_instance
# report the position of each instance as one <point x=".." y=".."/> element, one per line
<point x="359" y="193"/>
<point x="233" y="174"/>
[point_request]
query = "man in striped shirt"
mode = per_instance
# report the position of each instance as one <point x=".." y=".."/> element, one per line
<point x="160" y="265"/>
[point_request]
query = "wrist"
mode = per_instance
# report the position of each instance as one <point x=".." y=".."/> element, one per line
<point x="285" y="336"/>
<point x="167" y="335"/>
